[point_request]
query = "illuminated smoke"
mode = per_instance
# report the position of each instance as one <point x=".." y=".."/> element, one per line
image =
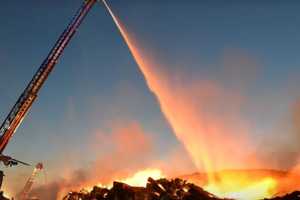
<point x="208" y="136"/>
<point x="203" y="115"/>
<point x="120" y="153"/>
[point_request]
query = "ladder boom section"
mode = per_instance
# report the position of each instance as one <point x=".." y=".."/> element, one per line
<point x="23" y="104"/>
<point x="24" y="195"/>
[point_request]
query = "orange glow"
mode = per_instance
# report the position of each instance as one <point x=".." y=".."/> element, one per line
<point x="214" y="139"/>
<point x="140" y="178"/>
<point x="207" y="139"/>
<point x="7" y="193"/>
<point x="242" y="187"/>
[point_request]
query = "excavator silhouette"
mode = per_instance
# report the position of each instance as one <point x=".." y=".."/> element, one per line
<point x="29" y="95"/>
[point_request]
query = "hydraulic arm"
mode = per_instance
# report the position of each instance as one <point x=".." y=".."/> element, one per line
<point x="23" y="104"/>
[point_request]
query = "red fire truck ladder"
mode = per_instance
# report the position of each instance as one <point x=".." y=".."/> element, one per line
<point x="24" y="103"/>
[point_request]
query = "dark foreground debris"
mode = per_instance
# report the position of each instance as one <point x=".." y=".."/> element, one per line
<point x="2" y="197"/>
<point x="161" y="189"/>
<point x="291" y="196"/>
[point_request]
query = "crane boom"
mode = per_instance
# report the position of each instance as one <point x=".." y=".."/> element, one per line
<point x="24" y="195"/>
<point x="23" y="104"/>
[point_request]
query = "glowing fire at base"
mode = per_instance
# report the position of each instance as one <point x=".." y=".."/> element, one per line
<point x="139" y="179"/>
<point x="236" y="185"/>
<point x="239" y="187"/>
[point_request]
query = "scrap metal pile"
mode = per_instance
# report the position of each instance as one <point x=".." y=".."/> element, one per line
<point x="161" y="189"/>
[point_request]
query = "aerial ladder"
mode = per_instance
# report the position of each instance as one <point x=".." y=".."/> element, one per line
<point x="24" y="195"/>
<point x="29" y="95"/>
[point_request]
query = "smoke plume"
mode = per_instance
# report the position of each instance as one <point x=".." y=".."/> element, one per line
<point x="126" y="149"/>
<point x="202" y="114"/>
<point x="119" y="152"/>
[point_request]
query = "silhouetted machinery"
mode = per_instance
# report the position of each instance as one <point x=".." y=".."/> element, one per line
<point x="24" y="103"/>
<point x="24" y="195"/>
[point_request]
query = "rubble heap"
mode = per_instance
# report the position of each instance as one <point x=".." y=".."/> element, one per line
<point x="292" y="196"/>
<point x="162" y="189"/>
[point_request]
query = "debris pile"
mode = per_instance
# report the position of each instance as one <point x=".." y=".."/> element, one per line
<point x="162" y="189"/>
<point x="2" y="197"/>
<point x="292" y="196"/>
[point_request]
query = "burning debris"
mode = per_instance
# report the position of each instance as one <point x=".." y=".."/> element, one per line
<point x="162" y="189"/>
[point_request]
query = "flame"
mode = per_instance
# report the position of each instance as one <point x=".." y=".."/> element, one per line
<point x="138" y="179"/>
<point x="240" y="187"/>
<point x="230" y="185"/>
